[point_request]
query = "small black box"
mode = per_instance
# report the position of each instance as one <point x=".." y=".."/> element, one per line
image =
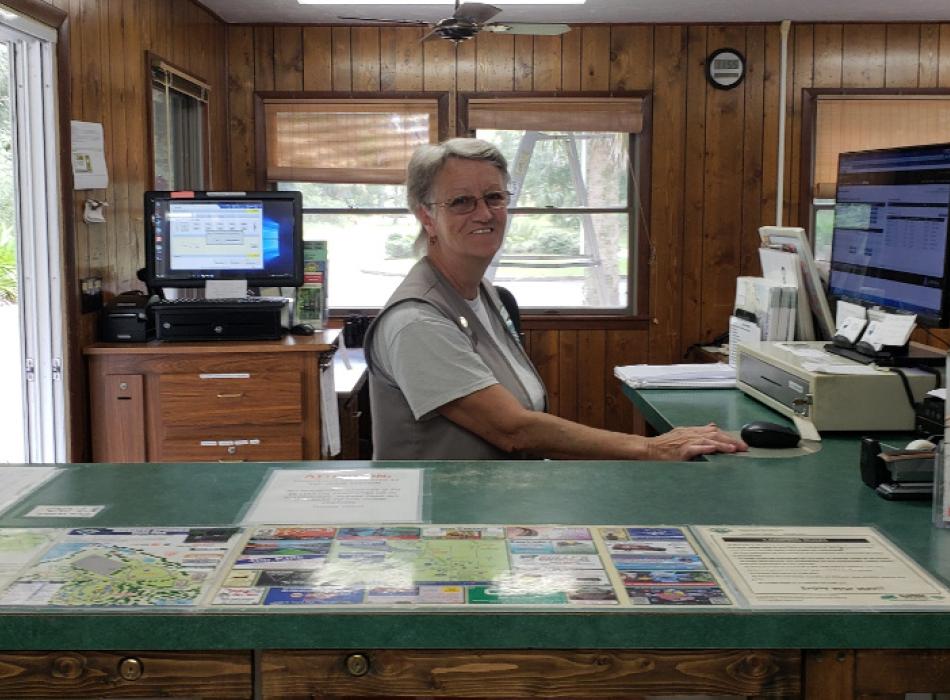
<point x="125" y="319"/>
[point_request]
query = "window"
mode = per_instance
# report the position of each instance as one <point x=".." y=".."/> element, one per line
<point x="179" y="128"/>
<point x="571" y="237"/>
<point x="348" y="158"/>
<point x="860" y="122"/>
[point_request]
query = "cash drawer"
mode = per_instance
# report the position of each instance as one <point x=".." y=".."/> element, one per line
<point x="231" y="398"/>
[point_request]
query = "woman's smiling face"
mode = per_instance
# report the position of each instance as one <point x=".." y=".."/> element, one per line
<point x="477" y="234"/>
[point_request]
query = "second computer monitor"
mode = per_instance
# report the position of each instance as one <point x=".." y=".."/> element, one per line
<point x="890" y="247"/>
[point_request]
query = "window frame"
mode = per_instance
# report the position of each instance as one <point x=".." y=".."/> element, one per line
<point x="806" y="209"/>
<point x="638" y="198"/>
<point x="260" y="140"/>
<point x="152" y="61"/>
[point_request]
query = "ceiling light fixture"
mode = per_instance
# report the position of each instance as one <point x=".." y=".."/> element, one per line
<point x="429" y="2"/>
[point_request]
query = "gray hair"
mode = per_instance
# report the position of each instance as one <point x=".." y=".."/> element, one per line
<point x="427" y="162"/>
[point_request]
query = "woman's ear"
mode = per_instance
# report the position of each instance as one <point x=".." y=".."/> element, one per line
<point x="425" y="218"/>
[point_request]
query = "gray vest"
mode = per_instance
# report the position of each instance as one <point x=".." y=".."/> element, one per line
<point x="396" y="432"/>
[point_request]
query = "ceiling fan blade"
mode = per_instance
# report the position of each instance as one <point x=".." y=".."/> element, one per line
<point x="527" y="28"/>
<point x="476" y="12"/>
<point x="429" y="35"/>
<point x="411" y="22"/>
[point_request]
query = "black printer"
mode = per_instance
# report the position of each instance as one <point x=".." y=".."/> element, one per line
<point x="126" y="319"/>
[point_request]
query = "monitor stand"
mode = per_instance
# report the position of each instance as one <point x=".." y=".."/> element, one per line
<point x="909" y="355"/>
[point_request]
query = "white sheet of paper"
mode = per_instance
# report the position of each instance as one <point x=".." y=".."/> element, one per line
<point x="826" y="368"/>
<point x="797" y="567"/>
<point x="890" y="329"/>
<point x="16" y="482"/>
<point x="741" y="331"/>
<point x="88" y="156"/>
<point x="334" y="496"/>
<point x="805" y="351"/>
<point x="64" y="512"/>
<point x="846" y="309"/>
<point x="851" y="328"/>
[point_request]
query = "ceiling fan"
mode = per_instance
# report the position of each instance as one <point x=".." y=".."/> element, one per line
<point x="469" y="19"/>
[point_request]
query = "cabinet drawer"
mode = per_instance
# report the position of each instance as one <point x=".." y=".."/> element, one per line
<point x="245" y="445"/>
<point x="234" y="398"/>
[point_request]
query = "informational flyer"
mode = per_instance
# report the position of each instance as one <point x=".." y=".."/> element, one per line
<point x="474" y="566"/>
<point x="373" y="565"/>
<point x="338" y="496"/>
<point x="122" y="567"/>
<point x="311" y="304"/>
<point x="16" y="482"/>
<point x="88" y="156"/>
<point x="820" y="567"/>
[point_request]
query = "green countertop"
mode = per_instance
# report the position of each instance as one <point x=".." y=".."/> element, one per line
<point x="723" y="490"/>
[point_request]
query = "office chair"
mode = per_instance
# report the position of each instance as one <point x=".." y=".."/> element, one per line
<point x="511" y="306"/>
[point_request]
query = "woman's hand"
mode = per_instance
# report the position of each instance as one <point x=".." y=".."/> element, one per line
<point x="681" y="444"/>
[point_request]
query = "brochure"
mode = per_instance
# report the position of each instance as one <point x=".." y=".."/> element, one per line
<point x="311" y="305"/>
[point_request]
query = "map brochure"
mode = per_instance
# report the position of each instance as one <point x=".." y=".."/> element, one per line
<point x="291" y="496"/>
<point x="816" y="567"/>
<point x="18" y="547"/>
<point x="123" y="567"/>
<point x="469" y="565"/>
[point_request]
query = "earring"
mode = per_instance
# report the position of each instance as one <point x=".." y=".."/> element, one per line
<point x="432" y="240"/>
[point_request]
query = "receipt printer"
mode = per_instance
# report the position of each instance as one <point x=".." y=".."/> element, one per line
<point x="125" y="319"/>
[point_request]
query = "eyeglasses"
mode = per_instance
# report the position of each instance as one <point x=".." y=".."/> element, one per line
<point x="466" y="203"/>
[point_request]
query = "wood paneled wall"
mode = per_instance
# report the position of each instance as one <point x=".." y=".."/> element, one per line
<point x="714" y="153"/>
<point x="107" y="42"/>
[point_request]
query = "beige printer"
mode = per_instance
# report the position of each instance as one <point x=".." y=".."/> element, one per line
<point x="798" y="378"/>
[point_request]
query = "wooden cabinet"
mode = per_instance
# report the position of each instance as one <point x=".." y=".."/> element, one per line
<point x="199" y="402"/>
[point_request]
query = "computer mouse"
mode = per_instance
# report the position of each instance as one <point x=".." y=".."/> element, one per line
<point x="303" y="329"/>
<point x="761" y="433"/>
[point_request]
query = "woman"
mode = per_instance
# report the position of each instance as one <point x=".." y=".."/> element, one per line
<point x="448" y="377"/>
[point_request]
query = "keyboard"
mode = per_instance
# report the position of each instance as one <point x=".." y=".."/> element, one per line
<point x="223" y="303"/>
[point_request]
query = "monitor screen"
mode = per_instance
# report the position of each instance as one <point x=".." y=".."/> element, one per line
<point x="890" y="246"/>
<point x="192" y="237"/>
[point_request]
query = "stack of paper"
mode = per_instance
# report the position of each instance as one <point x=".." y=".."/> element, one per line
<point x="782" y="267"/>
<point x="703" y="376"/>
<point x="772" y="304"/>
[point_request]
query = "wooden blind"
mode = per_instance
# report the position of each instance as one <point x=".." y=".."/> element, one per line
<point x="355" y="141"/>
<point x="617" y="114"/>
<point x="166" y="77"/>
<point x="860" y="124"/>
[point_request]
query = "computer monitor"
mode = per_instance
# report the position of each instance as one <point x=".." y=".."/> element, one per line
<point x="890" y="245"/>
<point x="193" y="237"/>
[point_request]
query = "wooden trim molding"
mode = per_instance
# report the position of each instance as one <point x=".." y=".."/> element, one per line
<point x="49" y="15"/>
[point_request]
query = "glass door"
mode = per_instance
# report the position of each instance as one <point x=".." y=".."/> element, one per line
<point x="32" y="425"/>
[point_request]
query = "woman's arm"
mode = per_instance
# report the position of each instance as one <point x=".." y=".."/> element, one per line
<point x="495" y="415"/>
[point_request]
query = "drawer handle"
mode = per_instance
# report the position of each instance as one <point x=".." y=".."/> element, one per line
<point x="231" y="396"/>
<point x="229" y="461"/>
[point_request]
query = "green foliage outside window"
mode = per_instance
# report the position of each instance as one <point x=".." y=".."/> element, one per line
<point x="8" y="262"/>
